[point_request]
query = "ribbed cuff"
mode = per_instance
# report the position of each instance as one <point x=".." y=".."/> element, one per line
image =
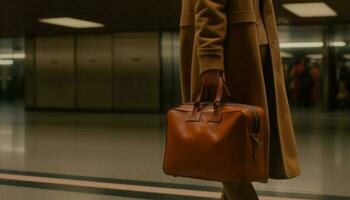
<point x="210" y="59"/>
<point x="210" y="62"/>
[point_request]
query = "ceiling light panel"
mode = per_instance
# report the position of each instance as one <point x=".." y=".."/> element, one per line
<point x="286" y="55"/>
<point x="71" y="22"/>
<point x="13" y="56"/>
<point x="337" y="44"/>
<point x="311" y="9"/>
<point x="301" y="44"/>
<point x="286" y="45"/>
<point x="315" y="56"/>
<point x="6" y="62"/>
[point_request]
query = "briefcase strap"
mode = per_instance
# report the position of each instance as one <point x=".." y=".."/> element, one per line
<point x="219" y="92"/>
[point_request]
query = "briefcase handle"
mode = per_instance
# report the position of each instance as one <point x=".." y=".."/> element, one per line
<point x="219" y="92"/>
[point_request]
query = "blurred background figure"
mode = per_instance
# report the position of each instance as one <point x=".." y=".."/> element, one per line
<point x="306" y="86"/>
<point x="343" y="95"/>
<point x="296" y="81"/>
<point x="316" y="83"/>
<point x="4" y="78"/>
<point x="343" y="87"/>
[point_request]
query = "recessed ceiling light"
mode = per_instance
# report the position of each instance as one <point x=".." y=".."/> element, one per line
<point x="287" y="45"/>
<point x="315" y="56"/>
<point x="71" y="22"/>
<point x="338" y="44"/>
<point x="12" y="56"/>
<point x="286" y="55"/>
<point x="311" y="9"/>
<point x="301" y="44"/>
<point x="6" y="62"/>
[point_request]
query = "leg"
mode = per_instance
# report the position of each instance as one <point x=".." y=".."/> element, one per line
<point x="224" y="195"/>
<point x="246" y="191"/>
<point x="234" y="191"/>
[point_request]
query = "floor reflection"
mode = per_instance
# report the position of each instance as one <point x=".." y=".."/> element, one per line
<point x="130" y="146"/>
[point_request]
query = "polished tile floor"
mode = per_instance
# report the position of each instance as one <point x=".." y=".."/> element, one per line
<point x="130" y="147"/>
<point x="22" y="193"/>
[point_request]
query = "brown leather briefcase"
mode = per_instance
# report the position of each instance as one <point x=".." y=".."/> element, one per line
<point x="217" y="141"/>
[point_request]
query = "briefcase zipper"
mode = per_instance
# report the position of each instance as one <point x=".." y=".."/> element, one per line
<point x="256" y="122"/>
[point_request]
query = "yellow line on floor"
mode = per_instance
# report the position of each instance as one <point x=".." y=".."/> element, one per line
<point x="124" y="187"/>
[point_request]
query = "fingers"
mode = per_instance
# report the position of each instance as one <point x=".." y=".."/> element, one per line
<point x="210" y="81"/>
<point x="211" y="78"/>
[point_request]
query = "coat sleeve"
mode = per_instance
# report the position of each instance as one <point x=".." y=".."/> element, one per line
<point x="211" y="28"/>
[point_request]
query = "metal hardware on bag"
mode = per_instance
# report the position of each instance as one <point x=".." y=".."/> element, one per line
<point x="197" y="104"/>
<point x="216" y="104"/>
<point x="256" y="140"/>
<point x="216" y="115"/>
<point x="195" y="115"/>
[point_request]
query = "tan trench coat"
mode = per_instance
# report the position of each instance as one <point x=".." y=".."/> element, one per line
<point x="222" y="35"/>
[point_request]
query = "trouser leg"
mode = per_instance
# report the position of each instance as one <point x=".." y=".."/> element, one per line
<point x="244" y="191"/>
<point x="224" y="195"/>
